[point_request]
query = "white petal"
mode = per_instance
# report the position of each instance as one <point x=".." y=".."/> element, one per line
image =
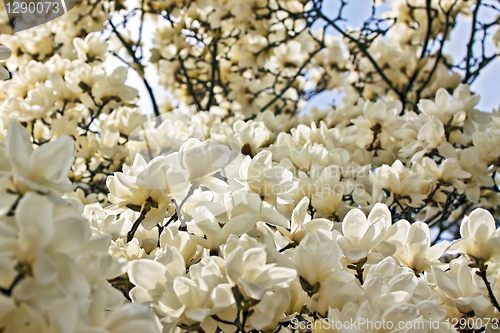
<point x="173" y="261"/>
<point x="356" y="254"/>
<point x="385" y="248"/>
<point x="71" y="231"/>
<point x="252" y="289"/>
<point x="373" y="235"/>
<point x="147" y="274"/>
<point x="355" y="225"/>
<point x="221" y="297"/>
<point x="404" y="281"/>
<point x="443" y="99"/>
<point x="380" y="211"/>
<point x="481" y="305"/>
<point x="281" y="275"/>
<point x="53" y="160"/>
<point x="198" y="315"/>
<point x="19" y="146"/>
<point x="481" y="225"/>
<point x="34" y="217"/>
<point x="446" y="284"/>
<point x="131" y="318"/>
<point x="187" y="291"/>
<point x="431" y="311"/>
<point x="63" y="315"/>
<point x="398" y="232"/>
<point x="429" y="107"/>
<point x="238" y="225"/>
<point x="372" y="288"/>
<point x="234" y="265"/>
<point x="492" y="248"/>
<point x="419" y="239"/>
<point x="71" y="277"/>
<point x="401" y="313"/>
<point x="436" y="251"/>
<point x="216" y="185"/>
<point x="273" y="217"/>
<point x="45" y="269"/>
<point x="395" y="297"/>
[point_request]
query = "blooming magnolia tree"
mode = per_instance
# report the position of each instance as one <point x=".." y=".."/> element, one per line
<point x="224" y="209"/>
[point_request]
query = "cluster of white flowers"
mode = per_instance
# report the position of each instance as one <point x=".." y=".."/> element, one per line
<point x="228" y="212"/>
<point x="54" y="268"/>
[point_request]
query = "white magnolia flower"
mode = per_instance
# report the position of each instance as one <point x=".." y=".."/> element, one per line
<point x="145" y="188"/>
<point x="192" y="300"/>
<point x="249" y="270"/>
<point x="150" y="277"/>
<point x="248" y="202"/>
<point x="45" y="241"/>
<point x="171" y="236"/>
<point x="203" y="160"/>
<point x="361" y="235"/>
<point x="260" y="176"/>
<point x="302" y="223"/>
<point x="44" y="169"/>
<point x="316" y="261"/>
<point x="328" y="201"/>
<point x="208" y="233"/>
<point x="335" y="292"/>
<point x="413" y="245"/>
<point x="443" y="108"/>
<point x="402" y="183"/>
<point x="113" y="88"/>
<point x="91" y="49"/>
<point x="269" y="311"/>
<point x="459" y="286"/>
<point x="480" y="239"/>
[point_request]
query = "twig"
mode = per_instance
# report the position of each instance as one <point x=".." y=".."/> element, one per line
<point x="482" y="274"/>
<point x="131" y="52"/>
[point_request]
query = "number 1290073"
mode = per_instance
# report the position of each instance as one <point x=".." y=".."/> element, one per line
<point x="40" y="7"/>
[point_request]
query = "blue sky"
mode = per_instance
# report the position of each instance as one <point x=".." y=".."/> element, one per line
<point x="485" y="85"/>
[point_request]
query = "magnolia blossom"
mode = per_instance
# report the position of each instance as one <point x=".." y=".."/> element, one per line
<point x="249" y="270"/>
<point x="316" y="261"/>
<point x="462" y="289"/>
<point x="479" y="237"/>
<point x="210" y="234"/>
<point x="301" y="223"/>
<point x="413" y="245"/>
<point x="259" y="175"/>
<point x="44" y="169"/>
<point x="269" y="311"/>
<point x="190" y="301"/>
<point x="150" y="277"/>
<point x="202" y="160"/>
<point x="38" y="229"/>
<point x="403" y="184"/>
<point x="448" y="112"/>
<point x="361" y="234"/>
<point x="91" y="49"/>
<point x="143" y="184"/>
<point x="449" y="172"/>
